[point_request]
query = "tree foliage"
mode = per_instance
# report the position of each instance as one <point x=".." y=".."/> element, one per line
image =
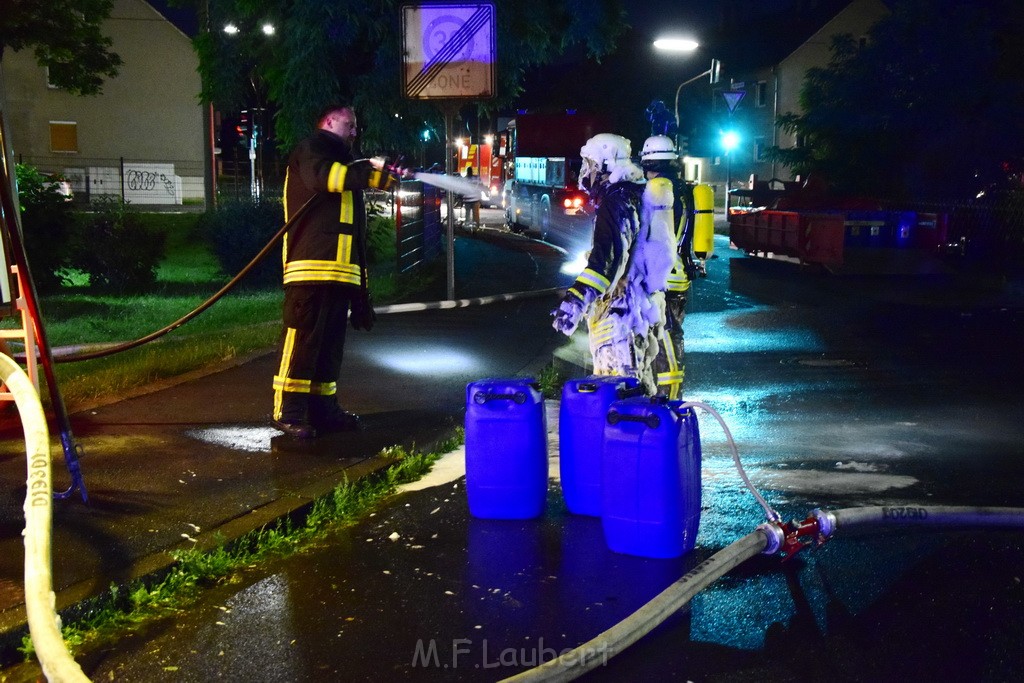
<point x="348" y="51"/>
<point x="930" y="106"/>
<point x="65" y="37"/>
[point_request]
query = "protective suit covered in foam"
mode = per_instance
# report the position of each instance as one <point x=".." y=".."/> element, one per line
<point x="621" y="291"/>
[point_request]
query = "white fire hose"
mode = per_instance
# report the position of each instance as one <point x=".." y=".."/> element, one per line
<point x="40" y="600"/>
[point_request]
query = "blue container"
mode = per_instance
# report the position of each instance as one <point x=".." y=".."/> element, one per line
<point x="650" y="478"/>
<point x="506" y="449"/>
<point x="581" y="418"/>
<point x="867" y="229"/>
<point x="903" y="223"/>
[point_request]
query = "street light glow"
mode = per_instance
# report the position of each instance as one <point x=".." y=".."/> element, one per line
<point x="230" y="29"/>
<point x="676" y="44"/>
<point x="268" y="29"/>
<point x="730" y="139"/>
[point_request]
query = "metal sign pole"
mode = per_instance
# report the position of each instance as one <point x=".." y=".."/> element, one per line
<point x="449" y="110"/>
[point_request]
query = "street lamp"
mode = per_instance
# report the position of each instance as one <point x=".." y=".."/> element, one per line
<point x="257" y="132"/>
<point x="730" y="140"/>
<point x="687" y="45"/>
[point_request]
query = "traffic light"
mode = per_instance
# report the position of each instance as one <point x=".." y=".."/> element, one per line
<point x="730" y="140"/>
<point x="243" y="128"/>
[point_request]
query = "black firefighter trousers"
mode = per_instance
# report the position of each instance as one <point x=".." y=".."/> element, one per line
<point x="312" y="345"/>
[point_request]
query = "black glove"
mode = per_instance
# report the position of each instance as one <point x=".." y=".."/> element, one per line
<point x="362" y="315"/>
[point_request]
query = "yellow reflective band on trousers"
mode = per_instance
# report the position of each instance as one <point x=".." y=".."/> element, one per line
<point x="677" y="281"/>
<point x="287" y="347"/>
<point x="601" y="333"/>
<point x="594" y="279"/>
<point x="283" y="383"/>
<point x="673" y="377"/>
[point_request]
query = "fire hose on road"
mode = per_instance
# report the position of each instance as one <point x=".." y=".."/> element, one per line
<point x="769" y="539"/>
<point x="43" y="622"/>
<point x="774" y="537"/>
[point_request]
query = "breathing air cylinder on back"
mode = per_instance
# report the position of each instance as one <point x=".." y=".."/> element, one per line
<point x="703" y="221"/>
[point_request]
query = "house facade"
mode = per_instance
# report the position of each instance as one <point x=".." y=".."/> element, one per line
<point x="762" y="87"/>
<point x="144" y="138"/>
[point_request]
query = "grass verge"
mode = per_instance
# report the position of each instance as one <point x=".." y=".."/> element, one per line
<point x="244" y="321"/>
<point x="106" y="617"/>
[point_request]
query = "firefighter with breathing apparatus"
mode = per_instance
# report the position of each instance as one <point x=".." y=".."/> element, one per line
<point x="693" y="218"/>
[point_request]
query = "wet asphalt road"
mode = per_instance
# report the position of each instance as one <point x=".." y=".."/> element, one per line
<point x="840" y="392"/>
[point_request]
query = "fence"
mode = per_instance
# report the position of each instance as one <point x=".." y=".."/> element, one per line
<point x="418" y="223"/>
<point x="140" y="182"/>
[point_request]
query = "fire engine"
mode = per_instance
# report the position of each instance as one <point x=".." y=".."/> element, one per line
<point x="541" y="158"/>
<point x="485" y="166"/>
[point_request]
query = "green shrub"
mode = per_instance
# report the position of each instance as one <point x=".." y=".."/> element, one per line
<point x="46" y="220"/>
<point x="380" y="239"/>
<point x="115" y="249"/>
<point x="238" y="230"/>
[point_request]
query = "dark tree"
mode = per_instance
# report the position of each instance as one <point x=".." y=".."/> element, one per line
<point x="929" y="107"/>
<point x="347" y="51"/>
<point x="65" y="37"/>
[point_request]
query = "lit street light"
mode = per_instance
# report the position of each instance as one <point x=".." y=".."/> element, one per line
<point x="676" y="44"/>
<point x="257" y="132"/>
<point x="687" y="45"/>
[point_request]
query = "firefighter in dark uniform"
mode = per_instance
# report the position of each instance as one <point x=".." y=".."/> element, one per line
<point x="325" y="273"/>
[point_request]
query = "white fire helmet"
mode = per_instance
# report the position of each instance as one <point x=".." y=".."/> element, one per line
<point x="600" y="154"/>
<point x="658" y="148"/>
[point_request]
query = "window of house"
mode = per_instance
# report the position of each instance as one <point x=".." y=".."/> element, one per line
<point x="761" y="94"/>
<point x="51" y="71"/>
<point x="64" y="137"/>
<point x="759" y="149"/>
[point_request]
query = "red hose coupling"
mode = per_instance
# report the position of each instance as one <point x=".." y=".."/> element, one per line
<point x="790" y="538"/>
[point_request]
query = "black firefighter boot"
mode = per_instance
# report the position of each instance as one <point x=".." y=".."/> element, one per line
<point x="293" y="417"/>
<point x="327" y="416"/>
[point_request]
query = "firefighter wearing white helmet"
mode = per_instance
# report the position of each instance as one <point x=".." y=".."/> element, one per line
<point x="621" y="291"/>
<point x="661" y="161"/>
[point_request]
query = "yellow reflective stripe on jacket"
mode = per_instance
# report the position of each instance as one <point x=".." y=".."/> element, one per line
<point x="336" y="177"/>
<point x="594" y="279"/>
<point x="322" y="271"/>
<point x="347" y="208"/>
<point x="313" y="270"/>
<point x="284" y="198"/>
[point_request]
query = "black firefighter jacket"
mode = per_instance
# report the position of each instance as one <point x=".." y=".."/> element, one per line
<point x="327" y="244"/>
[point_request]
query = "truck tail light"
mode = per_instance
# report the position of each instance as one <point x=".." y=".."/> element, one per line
<point x="573" y="202"/>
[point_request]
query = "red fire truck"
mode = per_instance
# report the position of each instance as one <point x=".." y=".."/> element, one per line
<point x="486" y="167"/>
<point x="541" y="156"/>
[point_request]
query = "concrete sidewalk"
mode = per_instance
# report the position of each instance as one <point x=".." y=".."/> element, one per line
<point x="196" y="464"/>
